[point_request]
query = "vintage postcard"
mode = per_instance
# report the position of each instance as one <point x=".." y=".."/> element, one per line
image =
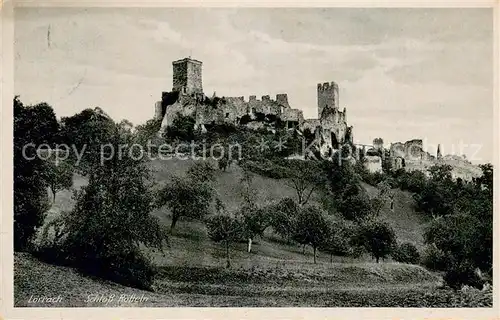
<point x="228" y="156"/>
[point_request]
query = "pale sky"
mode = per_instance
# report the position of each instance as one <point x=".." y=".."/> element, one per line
<point x="403" y="73"/>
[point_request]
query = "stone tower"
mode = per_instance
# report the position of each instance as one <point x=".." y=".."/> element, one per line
<point x="439" y="155"/>
<point x="328" y="97"/>
<point x="187" y="76"/>
<point x="378" y="144"/>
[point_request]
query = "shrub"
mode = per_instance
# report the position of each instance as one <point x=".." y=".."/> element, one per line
<point x="223" y="129"/>
<point x="182" y="128"/>
<point x="406" y="253"/>
<point x="461" y="274"/>
<point x="129" y="267"/>
<point x="245" y="119"/>
<point x="434" y="258"/>
<point x="259" y="116"/>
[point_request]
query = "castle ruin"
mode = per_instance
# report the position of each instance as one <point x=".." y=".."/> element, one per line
<point x="187" y="98"/>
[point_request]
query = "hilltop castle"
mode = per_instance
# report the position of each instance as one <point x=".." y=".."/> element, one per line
<point x="187" y="98"/>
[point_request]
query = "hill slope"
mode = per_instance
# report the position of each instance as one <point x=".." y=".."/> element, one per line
<point x="407" y="223"/>
<point x="192" y="269"/>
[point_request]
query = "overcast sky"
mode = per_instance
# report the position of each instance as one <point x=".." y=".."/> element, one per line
<point x="402" y="73"/>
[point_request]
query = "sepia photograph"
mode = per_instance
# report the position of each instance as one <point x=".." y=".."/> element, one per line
<point x="322" y="157"/>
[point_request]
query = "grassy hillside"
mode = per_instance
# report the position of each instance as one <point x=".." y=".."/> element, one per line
<point x="406" y="222"/>
<point x="274" y="274"/>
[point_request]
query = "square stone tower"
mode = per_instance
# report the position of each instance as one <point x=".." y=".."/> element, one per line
<point x="187" y="76"/>
<point x="328" y="97"/>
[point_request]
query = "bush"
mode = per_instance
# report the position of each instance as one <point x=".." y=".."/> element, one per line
<point x="245" y="119"/>
<point x="462" y="274"/>
<point x="182" y="128"/>
<point x="259" y="116"/>
<point x="406" y="253"/>
<point x="223" y="129"/>
<point x="434" y="258"/>
<point x="129" y="268"/>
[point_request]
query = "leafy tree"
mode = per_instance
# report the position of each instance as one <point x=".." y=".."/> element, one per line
<point x="354" y="204"/>
<point x="384" y="194"/>
<point x="344" y="191"/>
<point x="434" y="258"/>
<point x="87" y="133"/>
<point x="192" y="196"/>
<point x="182" y="128"/>
<point x="308" y="136"/>
<point x="378" y="238"/>
<point x="284" y="217"/>
<point x="462" y="273"/>
<point x="202" y="172"/>
<point x="304" y="177"/>
<point x="148" y="131"/>
<point x="186" y="198"/>
<point x="112" y="219"/>
<point x="414" y="181"/>
<point x="224" y="228"/>
<point x="59" y="176"/>
<point x="32" y="125"/>
<point x="464" y="239"/>
<point x="35" y="123"/>
<point x="337" y="240"/>
<point x="406" y="253"/>
<point x="312" y="228"/>
<point x="485" y="181"/>
<point x="255" y="221"/>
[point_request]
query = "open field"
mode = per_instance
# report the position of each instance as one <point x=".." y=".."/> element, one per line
<point x="384" y="285"/>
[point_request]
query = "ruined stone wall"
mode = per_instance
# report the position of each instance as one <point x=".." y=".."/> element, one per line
<point x="396" y="163"/>
<point x="332" y="121"/>
<point x="158" y="111"/>
<point x="194" y="77"/>
<point x="282" y="99"/>
<point x="310" y="124"/>
<point x="180" y="73"/>
<point x="328" y="96"/>
<point x="295" y="115"/>
<point x="397" y="150"/>
<point x="234" y="109"/>
<point x="373" y="164"/>
<point x="414" y="149"/>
